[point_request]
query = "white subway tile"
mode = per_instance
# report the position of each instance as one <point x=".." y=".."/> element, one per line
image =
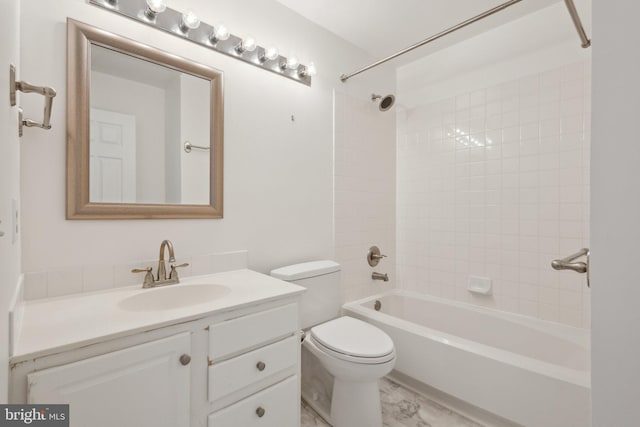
<point x="97" y="277"/>
<point x="494" y="122"/>
<point x="549" y="312"/>
<point x="528" y="308"/>
<point x="462" y="102"/>
<point x="530" y="131"/>
<point x="508" y="303"/>
<point x="571" y="89"/>
<point x="571" y="317"/>
<point x="509" y="89"/>
<point x="493" y="94"/>
<point x="551" y="78"/>
<point x="506" y="209"/>
<point x="64" y="282"/>
<point x="551" y="110"/>
<point x="530" y="147"/>
<point x="571" y="107"/>
<point x="35" y="286"/>
<point x="573" y="72"/>
<point x="510" y="119"/>
<point x="529" y="116"/>
<point x="549" y="296"/>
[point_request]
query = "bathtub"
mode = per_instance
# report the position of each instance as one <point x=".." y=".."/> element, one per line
<point x="528" y="371"/>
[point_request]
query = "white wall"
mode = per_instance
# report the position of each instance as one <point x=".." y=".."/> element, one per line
<point x="493" y="170"/>
<point x="9" y="178"/>
<point x="615" y="213"/>
<point x="278" y="172"/>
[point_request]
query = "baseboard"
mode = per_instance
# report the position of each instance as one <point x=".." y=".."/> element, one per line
<point x="16" y="314"/>
<point x="466" y="409"/>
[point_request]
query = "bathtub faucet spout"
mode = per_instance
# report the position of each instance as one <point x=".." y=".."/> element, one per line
<point x="380" y="276"/>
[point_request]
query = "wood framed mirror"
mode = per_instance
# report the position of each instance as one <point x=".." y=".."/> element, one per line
<point x="144" y="130"/>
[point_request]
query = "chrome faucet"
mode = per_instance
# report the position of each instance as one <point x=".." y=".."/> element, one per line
<point x="380" y="276"/>
<point x="162" y="269"/>
<point x="161" y="279"/>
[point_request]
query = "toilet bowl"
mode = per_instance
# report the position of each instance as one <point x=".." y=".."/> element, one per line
<point x="356" y="363"/>
<point x="357" y="354"/>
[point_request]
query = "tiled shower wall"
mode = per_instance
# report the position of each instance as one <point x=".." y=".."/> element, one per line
<point x="495" y="183"/>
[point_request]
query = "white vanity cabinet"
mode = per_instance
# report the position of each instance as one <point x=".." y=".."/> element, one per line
<point x="239" y="367"/>
<point x="254" y="370"/>
<point x="144" y="385"/>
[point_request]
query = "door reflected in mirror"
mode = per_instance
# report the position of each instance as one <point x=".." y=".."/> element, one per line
<point x="145" y="130"/>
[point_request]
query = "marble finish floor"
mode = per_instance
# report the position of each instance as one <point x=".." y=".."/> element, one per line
<point x="402" y="408"/>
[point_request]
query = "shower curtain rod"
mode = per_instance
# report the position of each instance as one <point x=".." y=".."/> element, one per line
<point x="569" y="3"/>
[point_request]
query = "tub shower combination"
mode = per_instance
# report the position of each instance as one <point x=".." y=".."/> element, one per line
<point x="528" y="371"/>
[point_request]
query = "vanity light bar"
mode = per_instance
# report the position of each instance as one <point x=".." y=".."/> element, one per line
<point x="171" y="21"/>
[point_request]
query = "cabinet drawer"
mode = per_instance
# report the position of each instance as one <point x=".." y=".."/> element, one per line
<point x="279" y="406"/>
<point x="246" y="332"/>
<point x="235" y="374"/>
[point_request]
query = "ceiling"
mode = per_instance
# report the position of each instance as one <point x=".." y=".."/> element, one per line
<point x="383" y="27"/>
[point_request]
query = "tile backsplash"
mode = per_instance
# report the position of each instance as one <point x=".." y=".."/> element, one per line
<point x="495" y="183"/>
<point x="89" y="278"/>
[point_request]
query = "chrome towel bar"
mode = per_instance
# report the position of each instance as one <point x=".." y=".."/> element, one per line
<point x="48" y="93"/>
<point x="189" y="146"/>
<point x="568" y="263"/>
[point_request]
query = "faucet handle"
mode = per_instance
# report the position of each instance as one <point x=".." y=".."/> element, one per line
<point x="173" y="274"/>
<point x="374" y="256"/>
<point x="148" y="278"/>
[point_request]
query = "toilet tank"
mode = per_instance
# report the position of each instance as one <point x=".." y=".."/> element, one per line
<point x="322" y="300"/>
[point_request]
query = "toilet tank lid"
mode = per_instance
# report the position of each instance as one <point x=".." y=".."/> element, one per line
<point x="305" y="270"/>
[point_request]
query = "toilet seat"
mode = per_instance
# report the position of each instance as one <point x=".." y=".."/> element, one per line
<point x="353" y="340"/>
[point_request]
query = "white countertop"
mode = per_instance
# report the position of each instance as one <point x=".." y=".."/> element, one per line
<point x="63" y="323"/>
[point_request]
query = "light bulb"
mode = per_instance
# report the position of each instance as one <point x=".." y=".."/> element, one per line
<point x="190" y="21"/>
<point x="271" y="53"/>
<point x="249" y="44"/>
<point x="220" y="32"/>
<point x="310" y="70"/>
<point x="292" y="62"/>
<point x="155" y="7"/>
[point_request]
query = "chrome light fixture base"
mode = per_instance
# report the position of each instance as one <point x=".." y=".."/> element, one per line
<point x="170" y="21"/>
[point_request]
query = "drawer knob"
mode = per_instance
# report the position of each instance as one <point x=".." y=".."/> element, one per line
<point x="185" y="359"/>
<point x="260" y="411"/>
<point x="261" y="366"/>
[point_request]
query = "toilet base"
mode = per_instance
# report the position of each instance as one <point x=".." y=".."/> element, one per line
<point x="356" y="404"/>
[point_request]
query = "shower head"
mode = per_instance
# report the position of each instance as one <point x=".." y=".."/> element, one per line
<point x="386" y="102"/>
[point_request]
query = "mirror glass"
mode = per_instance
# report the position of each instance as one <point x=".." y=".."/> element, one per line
<point x="142" y="115"/>
<point x="144" y="130"/>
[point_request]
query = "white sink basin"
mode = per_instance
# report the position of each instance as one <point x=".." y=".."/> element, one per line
<point x="173" y="296"/>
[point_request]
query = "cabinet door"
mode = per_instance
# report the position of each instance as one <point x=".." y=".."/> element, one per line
<point x="141" y="386"/>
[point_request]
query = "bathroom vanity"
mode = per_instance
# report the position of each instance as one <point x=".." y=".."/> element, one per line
<point x="219" y="350"/>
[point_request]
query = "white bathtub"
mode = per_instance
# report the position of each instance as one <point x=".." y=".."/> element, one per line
<point x="531" y="372"/>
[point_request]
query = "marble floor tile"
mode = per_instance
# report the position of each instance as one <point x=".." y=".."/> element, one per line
<point x="310" y="418"/>
<point x="402" y="408"/>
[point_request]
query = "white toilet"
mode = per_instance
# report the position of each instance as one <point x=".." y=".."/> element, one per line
<point x="356" y="353"/>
